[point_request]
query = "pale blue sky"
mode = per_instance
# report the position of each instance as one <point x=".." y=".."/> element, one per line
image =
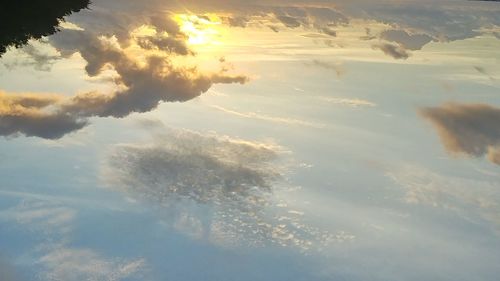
<point x="337" y="157"/>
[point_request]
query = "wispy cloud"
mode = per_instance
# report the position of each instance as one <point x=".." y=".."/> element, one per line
<point x="53" y="224"/>
<point x="67" y="264"/>
<point x="349" y="102"/>
<point x="450" y="193"/>
<point x="338" y="68"/>
<point x="394" y="50"/>
<point x="269" y="118"/>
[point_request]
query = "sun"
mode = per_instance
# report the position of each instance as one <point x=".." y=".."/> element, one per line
<point x="201" y="30"/>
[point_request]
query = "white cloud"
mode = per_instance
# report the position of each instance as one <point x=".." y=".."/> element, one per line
<point x="468" y="198"/>
<point x="53" y="224"/>
<point x="349" y="102"/>
<point x="67" y="264"/>
<point x="269" y="118"/>
<point x="48" y="218"/>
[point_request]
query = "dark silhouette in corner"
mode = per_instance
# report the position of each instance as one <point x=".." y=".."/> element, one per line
<point x="21" y="20"/>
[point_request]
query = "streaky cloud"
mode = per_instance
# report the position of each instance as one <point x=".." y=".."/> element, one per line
<point x="394" y="50"/>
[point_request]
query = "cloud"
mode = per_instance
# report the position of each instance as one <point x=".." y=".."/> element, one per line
<point x="25" y="114"/>
<point x="147" y="65"/>
<point x="203" y="168"/>
<point x="159" y="80"/>
<point x="141" y="85"/>
<point x="471" y="129"/>
<point x="337" y="67"/>
<point x="441" y="20"/>
<point x="349" y="102"/>
<point x="393" y="50"/>
<point x="483" y="71"/>
<point x="288" y="21"/>
<point x="33" y="54"/>
<point x="264" y="117"/>
<point x="468" y="198"/>
<point x="68" y="264"/>
<point x="213" y="187"/>
<point x="408" y="41"/>
<point x="53" y="223"/>
<point x="237" y="21"/>
<point x="50" y="220"/>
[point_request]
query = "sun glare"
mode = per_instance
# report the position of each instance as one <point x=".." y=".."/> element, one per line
<point x="201" y="30"/>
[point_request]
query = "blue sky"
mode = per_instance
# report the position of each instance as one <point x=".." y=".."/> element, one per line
<point x="236" y="140"/>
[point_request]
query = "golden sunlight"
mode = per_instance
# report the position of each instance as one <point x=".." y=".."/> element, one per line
<point x="201" y="30"/>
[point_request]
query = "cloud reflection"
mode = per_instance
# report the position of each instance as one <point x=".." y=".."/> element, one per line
<point x="216" y="188"/>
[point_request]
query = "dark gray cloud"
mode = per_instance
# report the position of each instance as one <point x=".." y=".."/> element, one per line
<point x="471" y="129"/>
<point x="393" y="50"/>
<point x="214" y="187"/>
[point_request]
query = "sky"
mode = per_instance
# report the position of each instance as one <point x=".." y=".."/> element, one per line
<point x="251" y="140"/>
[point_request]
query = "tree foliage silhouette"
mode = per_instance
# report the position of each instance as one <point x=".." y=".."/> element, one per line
<point x="22" y="20"/>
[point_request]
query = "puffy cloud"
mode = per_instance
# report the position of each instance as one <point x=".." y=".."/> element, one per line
<point x="105" y="37"/>
<point x="214" y="187"/>
<point x="141" y="85"/>
<point x="144" y="85"/>
<point x="472" y="129"/>
<point x="25" y="114"/>
<point x="393" y="50"/>
<point x="168" y="44"/>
